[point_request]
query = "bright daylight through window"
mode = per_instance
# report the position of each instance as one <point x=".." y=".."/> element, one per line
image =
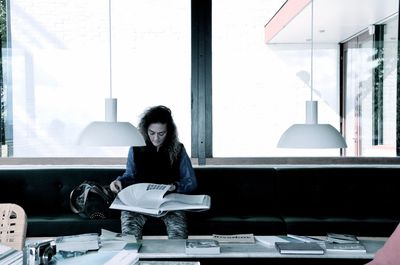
<point x="59" y="70"/>
<point x="55" y="63"/>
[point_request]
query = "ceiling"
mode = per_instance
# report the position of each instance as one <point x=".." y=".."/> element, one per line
<point x="334" y="20"/>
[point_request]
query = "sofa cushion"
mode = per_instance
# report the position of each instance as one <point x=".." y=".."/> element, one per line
<point x="68" y="224"/>
<point x="238" y="191"/>
<point x="234" y="224"/>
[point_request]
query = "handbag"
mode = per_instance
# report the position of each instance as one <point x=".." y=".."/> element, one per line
<point x="92" y="200"/>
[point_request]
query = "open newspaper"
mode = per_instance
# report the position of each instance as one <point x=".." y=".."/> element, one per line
<point x="154" y="199"/>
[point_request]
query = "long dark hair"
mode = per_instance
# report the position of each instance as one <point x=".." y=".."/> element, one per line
<point x="161" y="114"/>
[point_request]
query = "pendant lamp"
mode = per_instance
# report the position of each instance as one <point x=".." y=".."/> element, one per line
<point x="110" y="132"/>
<point x="311" y="134"/>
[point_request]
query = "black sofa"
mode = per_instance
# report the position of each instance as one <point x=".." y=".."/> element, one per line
<point x="309" y="200"/>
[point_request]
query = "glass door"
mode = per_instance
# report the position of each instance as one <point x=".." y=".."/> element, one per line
<point x="369" y="91"/>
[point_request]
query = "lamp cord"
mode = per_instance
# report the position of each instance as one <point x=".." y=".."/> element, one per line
<point x="110" y="47"/>
<point x="312" y="50"/>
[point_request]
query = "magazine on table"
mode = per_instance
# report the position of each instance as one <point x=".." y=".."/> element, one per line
<point x="111" y="241"/>
<point x="269" y="241"/>
<point x="310" y="248"/>
<point x="124" y="257"/>
<point x="202" y="246"/>
<point x="341" y="238"/>
<point x="154" y="199"/>
<point x="80" y="242"/>
<point x="345" y="247"/>
<point x="235" y="238"/>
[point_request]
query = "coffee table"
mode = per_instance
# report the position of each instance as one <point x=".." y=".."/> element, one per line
<point x="258" y="253"/>
<point x="163" y="251"/>
<point x="98" y="258"/>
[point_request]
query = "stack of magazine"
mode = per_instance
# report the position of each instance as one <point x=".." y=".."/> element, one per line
<point x="111" y="241"/>
<point x="124" y="257"/>
<point x="78" y="243"/>
<point x="306" y="248"/>
<point x="341" y="238"/>
<point x="344" y="243"/>
<point x="202" y="246"/>
<point x="235" y="238"/>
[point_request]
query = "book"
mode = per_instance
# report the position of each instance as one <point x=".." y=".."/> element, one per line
<point x="345" y="247"/>
<point x="124" y="257"/>
<point x="341" y="238"/>
<point x="269" y="241"/>
<point x="119" y="245"/>
<point x="80" y="243"/>
<point x="236" y="238"/>
<point x="304" y="238"/>
<point x="202" y="246"/>
<point x="111" y="241"/>
<point x="310" y="248"/>
<point x="154" y="199"/>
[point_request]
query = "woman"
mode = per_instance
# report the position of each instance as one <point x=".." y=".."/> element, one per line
<point x="163" y="161"/>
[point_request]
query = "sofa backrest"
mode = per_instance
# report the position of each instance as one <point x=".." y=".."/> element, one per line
<point x="240" y="191"/>
<point x="338" y="191"/>
<point x="47" y="190"/>
<point x="317" y="191"/>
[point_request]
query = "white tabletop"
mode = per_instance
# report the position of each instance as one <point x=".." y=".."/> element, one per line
<point x="96" y="258"/>
<point x="162" y="248"/>
<point x="159" y="248"/>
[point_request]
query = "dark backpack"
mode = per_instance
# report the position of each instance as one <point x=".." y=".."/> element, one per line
<point x="92" y="200"/>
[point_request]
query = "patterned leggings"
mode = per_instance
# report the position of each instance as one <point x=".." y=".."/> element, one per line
<point x="132" y="223"/>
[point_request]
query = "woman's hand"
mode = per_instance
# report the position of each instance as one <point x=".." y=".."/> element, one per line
<point x="116" y="186"/>
<point x="172" y="188"/>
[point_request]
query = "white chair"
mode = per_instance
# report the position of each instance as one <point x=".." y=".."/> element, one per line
<point x="13" y="225"/>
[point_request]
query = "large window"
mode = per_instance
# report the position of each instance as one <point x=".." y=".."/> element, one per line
<point x="257" y="92"/>
<point x="59" y="69"/>
<point x="232" y="95"/>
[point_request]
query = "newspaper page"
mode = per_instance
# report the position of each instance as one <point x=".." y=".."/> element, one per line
<point x="152" y="199"/>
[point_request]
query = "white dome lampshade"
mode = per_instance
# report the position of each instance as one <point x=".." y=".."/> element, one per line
<point x="311" y="134"/>
<point x="110" y="132"/>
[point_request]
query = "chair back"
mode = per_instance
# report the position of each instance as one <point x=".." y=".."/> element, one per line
<point x="13" y="225"/>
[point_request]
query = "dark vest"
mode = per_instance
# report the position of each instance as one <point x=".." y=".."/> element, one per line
<point x="154" y="167"/>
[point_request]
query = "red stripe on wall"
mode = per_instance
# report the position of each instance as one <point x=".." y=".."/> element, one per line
<point x="286" y="13"/>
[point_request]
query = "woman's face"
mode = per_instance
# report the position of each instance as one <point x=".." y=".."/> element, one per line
<point x="157" y="133"/>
